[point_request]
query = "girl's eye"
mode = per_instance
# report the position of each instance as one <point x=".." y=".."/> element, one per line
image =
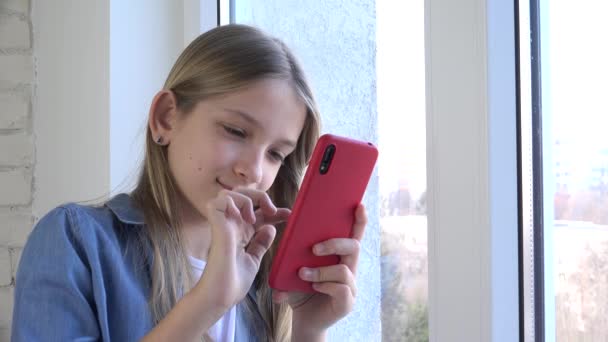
<point x="235" y="131"/>
<point x="277" y="156"/>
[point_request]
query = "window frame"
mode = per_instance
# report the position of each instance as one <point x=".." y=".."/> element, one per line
<point x="471" y="114"/>
<point x="200" y="16"/>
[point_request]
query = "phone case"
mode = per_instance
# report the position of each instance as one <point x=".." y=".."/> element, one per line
<point x="324" y="208"/>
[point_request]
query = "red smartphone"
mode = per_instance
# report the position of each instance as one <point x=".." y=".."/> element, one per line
<point x="333" y="186"/>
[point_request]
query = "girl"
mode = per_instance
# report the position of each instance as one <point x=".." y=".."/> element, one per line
<point x="186" y="255"/>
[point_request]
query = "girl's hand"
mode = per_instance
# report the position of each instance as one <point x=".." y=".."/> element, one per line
<point x="314" y="313"/>
<point x="240" y="236"/>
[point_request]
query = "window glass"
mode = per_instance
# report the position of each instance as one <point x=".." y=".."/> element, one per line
<point x="402" y="169"/>
<point x="575" y="115"/>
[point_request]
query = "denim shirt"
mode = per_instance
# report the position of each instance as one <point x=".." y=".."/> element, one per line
<point x="84" y="276"/>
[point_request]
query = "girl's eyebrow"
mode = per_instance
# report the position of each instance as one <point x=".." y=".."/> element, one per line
<point x="250" y="119"/>
<point x="247" y="117"/>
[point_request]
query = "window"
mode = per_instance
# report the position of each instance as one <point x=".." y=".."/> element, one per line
<point x="570" y="157"/>
<point x="402" y="169"/>
<point x="467" y="147"/>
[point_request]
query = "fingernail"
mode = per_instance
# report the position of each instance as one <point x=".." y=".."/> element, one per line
<point x="319" y="249"/>
<point x="307" y="273"/>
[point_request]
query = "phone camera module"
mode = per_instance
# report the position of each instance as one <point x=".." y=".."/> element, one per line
<point x="327" y="158"/>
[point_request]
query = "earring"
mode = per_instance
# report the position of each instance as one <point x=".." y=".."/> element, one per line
<point x="159" y="140"/>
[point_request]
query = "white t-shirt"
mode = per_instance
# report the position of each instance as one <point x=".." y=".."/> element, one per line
<point x="223" y="329"/>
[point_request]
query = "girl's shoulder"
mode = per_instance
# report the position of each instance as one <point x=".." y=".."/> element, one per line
<point x="118" y="211"/>
<point x="82" y="262"/>
<point x="88" y="227"/>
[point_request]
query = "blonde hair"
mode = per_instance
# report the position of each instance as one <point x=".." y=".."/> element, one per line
<point x="219" y="61"/>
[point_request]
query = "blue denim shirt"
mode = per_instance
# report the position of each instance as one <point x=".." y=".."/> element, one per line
<point x="84" y="275"/>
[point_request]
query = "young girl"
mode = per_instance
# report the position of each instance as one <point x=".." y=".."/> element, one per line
<point x="186" y="255"/>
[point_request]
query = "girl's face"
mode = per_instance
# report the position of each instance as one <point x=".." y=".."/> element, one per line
<point x="238" y="139"/>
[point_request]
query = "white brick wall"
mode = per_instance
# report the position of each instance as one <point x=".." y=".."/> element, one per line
<point x="14" y="32"/>
<point x="14" y="111"/>
<point x="14" y="228"/>
<point x="16" y="149"/>
<point x="15" y="256"/>
<point x="16" y="68"/>
<point x="16" y="146"/>
<point x="5" y="264"/>
<point x="19" y="6"/>
<point x="16" y="188"/>
<point x="6" y="298"/>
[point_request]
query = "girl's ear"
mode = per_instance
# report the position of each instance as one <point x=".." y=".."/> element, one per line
<point x="163" y="116"/>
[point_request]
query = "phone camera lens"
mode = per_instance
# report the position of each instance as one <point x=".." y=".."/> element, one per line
<point x="329" y="152"/>
<point x="327" y="157"/>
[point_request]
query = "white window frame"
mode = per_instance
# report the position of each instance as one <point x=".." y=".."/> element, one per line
<point x="472" y="170"/>
<point x="200" y="16"/>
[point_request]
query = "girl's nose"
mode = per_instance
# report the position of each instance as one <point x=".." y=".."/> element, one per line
<point x="249" y="167"/>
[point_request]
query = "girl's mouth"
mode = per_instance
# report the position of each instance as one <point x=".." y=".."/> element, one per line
<point x="224" y="185"/>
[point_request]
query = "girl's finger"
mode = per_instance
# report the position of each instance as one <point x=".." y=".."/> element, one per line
<point x="352" y="260"/>
<point x="347" y="249"/>
<point x="259" y="199"/>
<point x="281" y="215"/>
<point x="338" y="246"/>
<point x="221" y="208"/>
<point x="339" y="273"/>
<point x="242" y="202"/>
<point x="341" y="294"/>
<point x="231" y="209"/>
<point x="261" y="241"/>
<point x="360" y="222"/>
<point x="226" y="207"/>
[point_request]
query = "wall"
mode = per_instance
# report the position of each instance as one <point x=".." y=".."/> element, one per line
<point x="71" y="122"/>
<point x="146" y="38"/>
<point x="16" y="145"/>
<point x="338" y="55"/>
<point x="76" y="80"/>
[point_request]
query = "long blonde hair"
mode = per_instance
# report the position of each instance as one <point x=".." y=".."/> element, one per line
<point x="219" y="61"/>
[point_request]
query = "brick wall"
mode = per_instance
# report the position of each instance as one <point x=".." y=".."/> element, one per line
<point x="16" y="146"/>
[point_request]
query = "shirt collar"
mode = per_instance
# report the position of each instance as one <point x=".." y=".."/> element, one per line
<point x="124" y="208"/>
